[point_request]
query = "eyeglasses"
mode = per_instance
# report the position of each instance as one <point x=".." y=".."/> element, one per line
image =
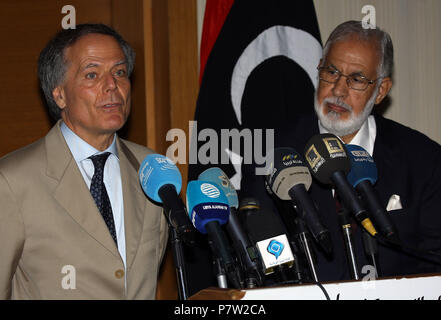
<point x="355" y="81"/>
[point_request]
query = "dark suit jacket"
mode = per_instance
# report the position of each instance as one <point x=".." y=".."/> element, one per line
<point x="408" y="165"/>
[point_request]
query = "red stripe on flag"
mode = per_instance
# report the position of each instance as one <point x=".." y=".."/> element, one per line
<point x="215" y="14"/>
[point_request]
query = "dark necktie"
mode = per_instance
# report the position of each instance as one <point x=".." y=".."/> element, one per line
<point x="99" y="192"/>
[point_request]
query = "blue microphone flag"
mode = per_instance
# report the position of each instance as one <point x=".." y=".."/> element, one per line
<point x="216" y="175"/>
<point x="206" y="202"/>
<point x="362" y="166"/>
<point x="156" y="171"/>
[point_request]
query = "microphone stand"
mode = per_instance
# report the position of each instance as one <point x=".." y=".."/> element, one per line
<point x="371" y="249"/>
<point x="297" y="270"/>
<point x="218" y="269"/>
<point x="178" y="257"/>
<point x="343" y="218"/>
<point x="306" y="246"/>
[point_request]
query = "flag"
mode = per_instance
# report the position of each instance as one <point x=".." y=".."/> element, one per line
<point x="258" y="72"/>
<point x="214" y="17"/>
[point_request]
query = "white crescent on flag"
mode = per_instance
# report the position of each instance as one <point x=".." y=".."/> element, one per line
<point x="236" y="161"/>
<point x="295" y="44"/>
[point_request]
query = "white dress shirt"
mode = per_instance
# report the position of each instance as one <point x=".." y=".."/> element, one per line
<point x="81" y="151"/>
<point x="365" y="137"/>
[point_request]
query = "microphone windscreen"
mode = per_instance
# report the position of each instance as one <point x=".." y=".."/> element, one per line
<point x="260" y="223"/>
<point x="206" y="202"/>
<point x="362" y="166"/>
<point x="156" y="171"/>
<point x="288" y="170"/>
<point x="216" y="175"/>
<point x="326" y="154"/>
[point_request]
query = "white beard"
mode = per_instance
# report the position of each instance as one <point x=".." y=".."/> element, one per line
<point x="332" y="122"/>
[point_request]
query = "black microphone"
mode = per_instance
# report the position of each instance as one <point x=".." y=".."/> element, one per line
<point x="362" y="177"/>
<point x="245" y="250"/>
<point x="267" y="231"/>
<point x="208" y="210"/>
<point x="289" y="180"/>
<point x="329" y="163"/>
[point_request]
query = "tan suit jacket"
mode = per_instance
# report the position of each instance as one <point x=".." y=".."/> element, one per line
<point x="54" y="244"/>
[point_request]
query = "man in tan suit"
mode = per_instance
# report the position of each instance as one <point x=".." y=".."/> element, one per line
<point x="57" y="241"/>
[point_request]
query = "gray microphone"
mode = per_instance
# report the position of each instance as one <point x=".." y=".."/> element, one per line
<point x="289" y="180"/>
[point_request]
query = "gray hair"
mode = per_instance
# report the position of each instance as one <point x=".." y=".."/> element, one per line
<point x="52" y="64"/>
<point x="355" y="28"/>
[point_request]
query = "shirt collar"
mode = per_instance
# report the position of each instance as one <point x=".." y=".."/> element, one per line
<point x="79" y="148"/>
<point x="365" y="137"/>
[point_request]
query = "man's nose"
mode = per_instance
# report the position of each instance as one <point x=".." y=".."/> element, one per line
<point x="340" y="88"/>
<point x="110" y="83"/>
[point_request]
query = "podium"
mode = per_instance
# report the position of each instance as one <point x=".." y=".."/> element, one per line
<point x="419" y="287"/>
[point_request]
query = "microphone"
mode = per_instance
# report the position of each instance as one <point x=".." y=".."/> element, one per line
<point x="362" y="177"/>
<point x="245" y="250"/>
<point x="161" y="181"/>
<point x="329" y="163"/>
<point x="267" y="232"/>
<point x="289" y="180"/>
<point x="208" y="210"/>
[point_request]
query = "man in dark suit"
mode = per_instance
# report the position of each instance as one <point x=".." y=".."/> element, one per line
<point x="74" y="222"/>
<point x="355" y="74"/>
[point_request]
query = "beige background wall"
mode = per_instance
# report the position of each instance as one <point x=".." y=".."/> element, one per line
<point x="415" y="28"/>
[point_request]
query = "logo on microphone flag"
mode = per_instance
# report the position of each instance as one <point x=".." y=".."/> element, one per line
<point x="275" y="247"/>
<point x="275" y="251"/>
<point x="335" y="147"/>
<point x="210" y="190"/>
<point x="254" y="75"/>
<point x="314" y="159"/>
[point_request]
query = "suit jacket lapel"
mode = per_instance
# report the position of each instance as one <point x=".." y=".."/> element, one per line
<point x="391" y="177"/>
<point x="72" y="192"/>
<point x="134" y="200"/>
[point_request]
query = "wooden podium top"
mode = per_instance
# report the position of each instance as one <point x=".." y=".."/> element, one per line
<point x="214" y="293"/>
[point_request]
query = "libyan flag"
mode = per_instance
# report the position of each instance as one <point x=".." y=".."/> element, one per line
<point x="258" y="71"/>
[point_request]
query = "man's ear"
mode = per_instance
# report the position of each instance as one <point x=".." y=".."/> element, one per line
<point x="59" y="97"/>
<point x="385" y="86"/>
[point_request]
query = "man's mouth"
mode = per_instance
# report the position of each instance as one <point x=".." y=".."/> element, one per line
<point x="111" y="105"/>
<point x="336" y="108"/>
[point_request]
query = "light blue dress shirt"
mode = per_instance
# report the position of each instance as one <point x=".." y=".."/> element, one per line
<point x="81" y="151"/>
